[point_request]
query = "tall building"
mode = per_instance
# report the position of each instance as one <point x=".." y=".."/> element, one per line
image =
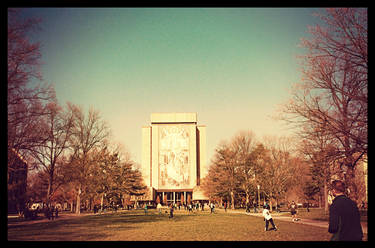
<point x="174" y="158"/>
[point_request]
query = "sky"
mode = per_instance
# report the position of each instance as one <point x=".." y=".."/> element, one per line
<point x="232" y="66"/>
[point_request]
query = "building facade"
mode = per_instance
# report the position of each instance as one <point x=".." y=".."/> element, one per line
<point x="17" y="182"/>
<point x="174" y="158"/>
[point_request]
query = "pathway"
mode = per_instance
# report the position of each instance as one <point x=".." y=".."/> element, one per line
<point x="278" y="216"/>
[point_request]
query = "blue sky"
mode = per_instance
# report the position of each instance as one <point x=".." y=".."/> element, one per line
<point x="233" y="67"/>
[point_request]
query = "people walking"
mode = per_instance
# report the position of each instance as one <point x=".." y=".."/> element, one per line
<point x="268" y="218"/>
<point x="255" y="208"/>
<point x="145" y="208"/>
<point x="344" y="217"/>
<point x="190" y="208"/>
<point x="171" y="211"/>
<point x="212" y="206"/>
<point x="293" y="211"/>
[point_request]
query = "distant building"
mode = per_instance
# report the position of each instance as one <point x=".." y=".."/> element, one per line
<point x="17" y="182"/>
<point x="174" y="158"/>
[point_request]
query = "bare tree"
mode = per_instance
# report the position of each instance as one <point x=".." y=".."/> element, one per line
<point x="333" y="95"/>
<point x="89" y="132"/>
<point x="248" y="152"/>
<point x="25" y="104"/>
<point x="56" y="130"/>
<point x="280" y="167"/>
<point x="221" y="180"/>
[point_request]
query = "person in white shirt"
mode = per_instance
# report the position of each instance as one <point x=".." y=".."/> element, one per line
<point x="159" y="207"/>
<point x="268" y="218"/>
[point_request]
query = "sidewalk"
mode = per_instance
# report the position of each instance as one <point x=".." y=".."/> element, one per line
<point x="282" y="217"/>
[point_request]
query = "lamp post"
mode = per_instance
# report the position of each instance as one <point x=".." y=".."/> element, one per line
<point x="258" y="186"/>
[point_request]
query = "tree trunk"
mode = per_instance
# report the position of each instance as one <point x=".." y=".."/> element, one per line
<point x="271" y="202"/>
<point x="325" y="197"/>
<point x="320" y="200"/>
<point x="78" y="207"/>
<point x="276" y="203"/>
<point x="102" y="202"/>
<point x="247" y="198"/>
<point x="232" y="198"/>
<point x="350" y="184"/>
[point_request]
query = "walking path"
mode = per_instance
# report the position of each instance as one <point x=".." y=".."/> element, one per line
<point x="281" y="217"/>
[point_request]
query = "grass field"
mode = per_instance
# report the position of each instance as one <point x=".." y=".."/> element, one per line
<point x="319" y="214"/>
<point x="134" y="225"/>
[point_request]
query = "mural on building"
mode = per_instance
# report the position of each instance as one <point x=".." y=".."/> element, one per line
<point x="174" y="156"/>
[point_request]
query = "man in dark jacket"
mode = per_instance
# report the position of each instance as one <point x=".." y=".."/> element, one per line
<point x="344" y="217"/>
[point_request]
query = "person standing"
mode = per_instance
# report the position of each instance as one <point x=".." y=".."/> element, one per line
<point x="145" y="208"/>
<point x="268" y="218"/>
<point x="52" y="210"/>
<point x="56" y="212"/>
<point x="225" y="206"/>
<point x="344" y="217"/>
<point x="159" y="207"/>
<point x="190" y="208"/>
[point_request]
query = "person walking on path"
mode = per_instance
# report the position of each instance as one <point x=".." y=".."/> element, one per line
<point x="268" y="218"/>
<point x="212" y="207"/>
<point x="190" y="208"/>
<point x="225" y="206"/>
<point x="344" y="217"/>
<point x="145" y="208"/>
<point x="293" y="211"/>
<point x="171" y="211"/>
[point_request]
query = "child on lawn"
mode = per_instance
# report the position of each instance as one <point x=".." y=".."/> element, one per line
<point x="268" y="218"/>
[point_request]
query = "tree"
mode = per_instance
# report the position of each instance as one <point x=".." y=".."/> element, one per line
<point x="319" y="150"/>
<point x="280" y="168"/>
<point x="221" y="180"/>
<point x="333" y="95"/>
<point x="25" y="104"/>
<point x="89" y="132"/>
<point x="56" y="130"/>
<point x="248" y="153"/>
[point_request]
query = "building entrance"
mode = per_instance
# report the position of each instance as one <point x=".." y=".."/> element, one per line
<point x="167" y="197"/>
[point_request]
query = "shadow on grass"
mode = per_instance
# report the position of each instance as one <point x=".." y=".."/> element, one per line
<point x="92" y="227"/>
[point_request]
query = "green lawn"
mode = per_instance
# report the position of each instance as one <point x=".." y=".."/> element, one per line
<point x="135" y="226"/>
